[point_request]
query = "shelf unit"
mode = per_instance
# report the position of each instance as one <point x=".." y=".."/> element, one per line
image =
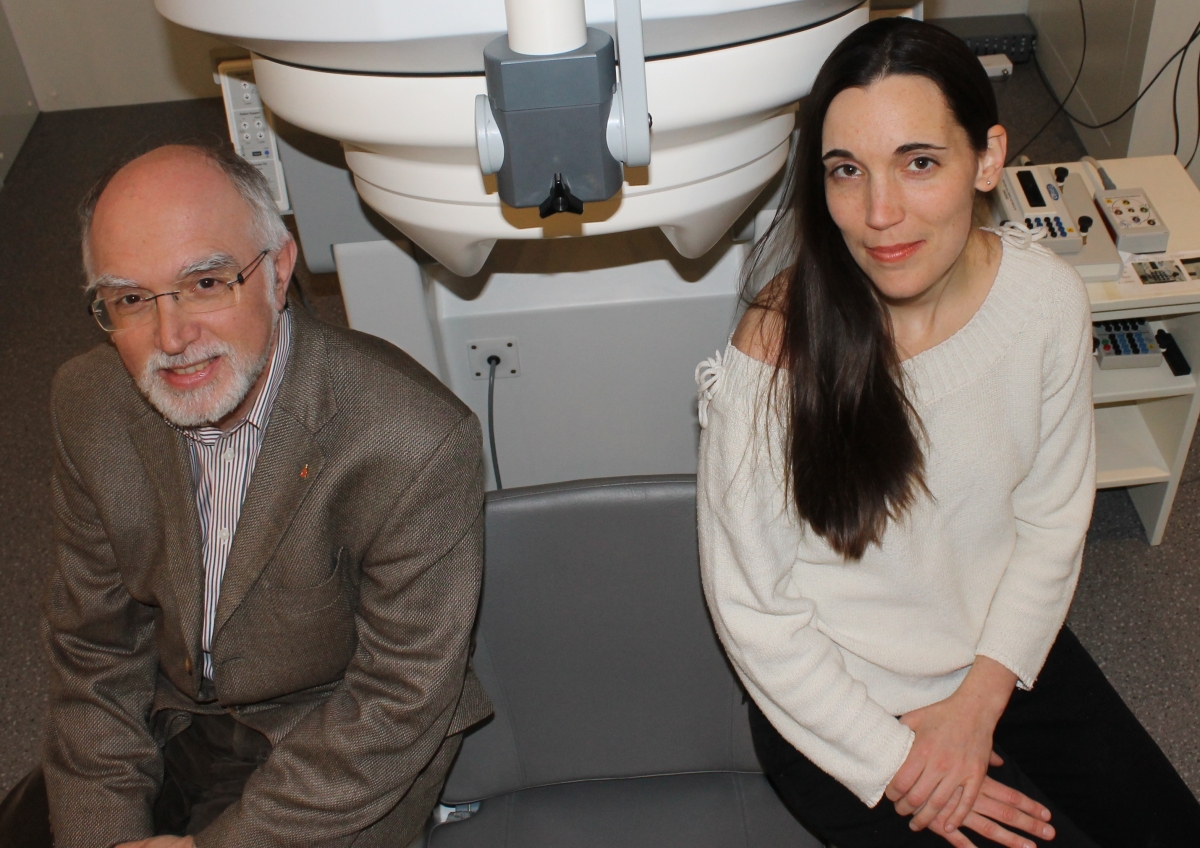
<point x="1145" y="420"/>
<point x="1146" y="417"/>
<point x="1127" y="453"/>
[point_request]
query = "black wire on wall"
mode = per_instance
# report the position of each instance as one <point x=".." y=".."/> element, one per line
<point x="1180" y="54"/>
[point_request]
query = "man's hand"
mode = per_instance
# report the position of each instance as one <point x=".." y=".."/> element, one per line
<point x="161" y="842"/>
<point x="941" y="778"/>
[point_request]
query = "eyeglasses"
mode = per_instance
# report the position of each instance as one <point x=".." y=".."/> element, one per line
<point x="121" y="307"/>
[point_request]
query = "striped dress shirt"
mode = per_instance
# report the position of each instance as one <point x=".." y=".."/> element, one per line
<point x="222" y="465"/>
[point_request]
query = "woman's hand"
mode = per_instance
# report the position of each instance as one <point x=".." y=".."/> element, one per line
<point x="999" y="803"/>
<point x="946" y="767"/>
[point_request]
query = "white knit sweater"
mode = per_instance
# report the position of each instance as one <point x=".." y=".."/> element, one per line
<point x="832" y="651"/>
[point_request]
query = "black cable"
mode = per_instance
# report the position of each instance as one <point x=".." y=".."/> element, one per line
<point x="1192" y="38"/>
<point x="1196" y="146"/>
<point x="1175" y="90"/>
<point x="1175" y="101"/>
<point x="493" y="361"/>
<point x="1063" y="105"/>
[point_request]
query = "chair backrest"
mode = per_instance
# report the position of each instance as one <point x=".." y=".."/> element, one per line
<point x="595" y="644"/>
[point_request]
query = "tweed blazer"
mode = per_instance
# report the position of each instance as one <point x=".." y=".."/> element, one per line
<point x="343" y="628"/>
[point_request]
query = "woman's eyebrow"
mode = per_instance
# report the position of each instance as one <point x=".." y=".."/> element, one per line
<point x="917" y="145"/>
<point x="838" y="153"/>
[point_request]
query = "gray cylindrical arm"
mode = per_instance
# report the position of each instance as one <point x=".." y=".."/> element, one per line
<point x="629" y="138"/>
<point x="487" y="137"/>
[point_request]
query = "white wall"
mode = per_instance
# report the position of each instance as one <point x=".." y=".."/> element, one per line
<point x="1116" y="50"/>
<point x="1128" y="41"/>
<point x="17" y="108"/>
<point x="973" y="8"/>
<point x="1153" y="131"/>
<point x="85" y="53"/>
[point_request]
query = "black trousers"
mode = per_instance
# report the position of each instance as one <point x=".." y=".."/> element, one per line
<point x="205" y="768"/>
<point x="1070" y="743"/>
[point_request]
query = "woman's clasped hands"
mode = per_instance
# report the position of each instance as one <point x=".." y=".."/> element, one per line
<point x="943" y="783"/>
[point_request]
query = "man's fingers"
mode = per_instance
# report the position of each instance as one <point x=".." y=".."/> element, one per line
<point x="995" y="759"/>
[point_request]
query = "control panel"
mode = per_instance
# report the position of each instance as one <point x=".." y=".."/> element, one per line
<point x="1098" y="260"/>
<point x="1132" y="221"/>
<point x="1137" y="343"/>
<point x="1032" y="196"/>
<point x="1126" y="344"/>
<point x="249" y="127"/>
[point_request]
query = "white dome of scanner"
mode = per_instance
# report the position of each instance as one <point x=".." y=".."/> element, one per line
<point x="396" y="80"/>
<point x="448" y="36"/>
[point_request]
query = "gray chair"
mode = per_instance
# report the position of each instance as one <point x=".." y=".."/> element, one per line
<point x="619" y="723"/>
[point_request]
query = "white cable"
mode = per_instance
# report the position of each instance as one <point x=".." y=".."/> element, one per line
<point x="1092" y="172"/>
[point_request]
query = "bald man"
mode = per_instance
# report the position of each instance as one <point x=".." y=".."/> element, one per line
<point x="269" y="545"/>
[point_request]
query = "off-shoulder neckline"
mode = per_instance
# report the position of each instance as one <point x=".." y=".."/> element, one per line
<point x="981" y="341"/>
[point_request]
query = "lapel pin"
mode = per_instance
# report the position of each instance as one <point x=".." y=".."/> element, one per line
<point x="304" y="471"/>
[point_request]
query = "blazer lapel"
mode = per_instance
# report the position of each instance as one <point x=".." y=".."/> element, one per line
<point x="288" y="465"/>
<point x="164" y="455"/>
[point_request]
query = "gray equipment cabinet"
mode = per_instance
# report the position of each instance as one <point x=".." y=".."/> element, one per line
<point x="619" y="723"/>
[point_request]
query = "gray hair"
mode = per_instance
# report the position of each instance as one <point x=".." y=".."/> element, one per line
<point x="249" y="182"/>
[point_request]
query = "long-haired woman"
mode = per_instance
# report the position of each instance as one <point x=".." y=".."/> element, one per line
<point x="897" y="471"/>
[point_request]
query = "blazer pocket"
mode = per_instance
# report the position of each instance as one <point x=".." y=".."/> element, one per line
<point x="290" y="602"/>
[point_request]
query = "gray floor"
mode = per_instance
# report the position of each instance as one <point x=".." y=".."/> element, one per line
<point x="1137" y="609"/>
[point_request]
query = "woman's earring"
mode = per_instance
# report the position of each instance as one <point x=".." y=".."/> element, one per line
<point x="989" y="182"/>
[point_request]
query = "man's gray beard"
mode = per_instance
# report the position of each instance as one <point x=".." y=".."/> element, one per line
<point x="213" y="401"/>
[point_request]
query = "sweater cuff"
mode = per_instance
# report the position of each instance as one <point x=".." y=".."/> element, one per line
<point x="893" y="745"/>
<point x="1006" y="649"/>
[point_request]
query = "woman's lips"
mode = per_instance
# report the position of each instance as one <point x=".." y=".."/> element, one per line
<point x="894" y="252"/>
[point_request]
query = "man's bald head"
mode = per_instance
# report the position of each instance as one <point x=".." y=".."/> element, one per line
<point x="172" y="178"/>
<point x="192" y="235"/>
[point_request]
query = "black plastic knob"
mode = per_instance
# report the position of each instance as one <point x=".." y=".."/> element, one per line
<point x="560" y="199"/>
<point x="1061" y="174"/>
<point x="1085" y="223"/>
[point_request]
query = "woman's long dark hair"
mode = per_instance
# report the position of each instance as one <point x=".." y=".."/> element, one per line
<point x="853" y="440"/>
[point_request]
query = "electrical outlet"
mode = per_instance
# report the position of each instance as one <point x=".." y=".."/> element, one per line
<point x="479" y="350"/>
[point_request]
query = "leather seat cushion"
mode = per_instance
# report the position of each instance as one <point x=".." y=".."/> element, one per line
<point x="712" y="810"/>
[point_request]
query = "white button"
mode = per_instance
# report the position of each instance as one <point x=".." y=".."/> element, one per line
<point x="228" y="455"/>
<point x="223" y="534"/>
